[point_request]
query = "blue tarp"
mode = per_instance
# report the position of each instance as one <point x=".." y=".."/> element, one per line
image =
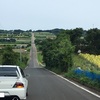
<point x="88" y="74"/>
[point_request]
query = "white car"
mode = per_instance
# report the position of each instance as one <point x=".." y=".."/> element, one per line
<point x="13" y="84"/>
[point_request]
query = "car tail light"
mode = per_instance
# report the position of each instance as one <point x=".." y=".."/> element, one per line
<point x="18" y="85"/>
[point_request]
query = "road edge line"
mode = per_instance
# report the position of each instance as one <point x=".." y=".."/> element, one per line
<point x="75" y="84"/>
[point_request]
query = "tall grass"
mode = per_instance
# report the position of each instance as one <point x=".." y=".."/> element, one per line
<point x="79" y="61"/>
<point x="40" y="57"/>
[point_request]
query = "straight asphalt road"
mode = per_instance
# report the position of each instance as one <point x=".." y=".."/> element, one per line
<point x="44" y="85"/>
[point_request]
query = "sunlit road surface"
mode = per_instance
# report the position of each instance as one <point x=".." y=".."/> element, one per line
<point x="44" y="85"/>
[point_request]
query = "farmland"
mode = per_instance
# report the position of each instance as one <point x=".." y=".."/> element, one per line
<point x="44" y="35"/>
<point x="15" y="40"/>
<point x="20" y="43"/>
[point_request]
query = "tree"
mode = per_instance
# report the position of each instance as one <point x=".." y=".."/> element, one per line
<point x="18" y="31"/>
<point x="57" y="53"/>
<point x="93" y="41"/>
<point x="76" y="37"/>
<point x="65" y="49"/>
<point x="9" y="57"/>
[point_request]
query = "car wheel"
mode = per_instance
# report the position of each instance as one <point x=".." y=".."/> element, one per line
<point x="15" y="98"/>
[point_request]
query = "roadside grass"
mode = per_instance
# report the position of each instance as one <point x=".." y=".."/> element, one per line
<point x="40" y="58"/>
<point x="84" y="64"/>
<point x="25" y="56"/>
<point x="80" y="78"/>
<point x="0" y="59"/>
<point x="25" y="59"/>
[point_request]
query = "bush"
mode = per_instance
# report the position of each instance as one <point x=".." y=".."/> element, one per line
<point x="9" y="57"/>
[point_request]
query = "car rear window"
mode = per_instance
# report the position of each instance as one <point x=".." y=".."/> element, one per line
<point x="8" y="71"/>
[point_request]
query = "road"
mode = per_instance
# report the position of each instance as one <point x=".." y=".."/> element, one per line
<point x="44" y="85"/>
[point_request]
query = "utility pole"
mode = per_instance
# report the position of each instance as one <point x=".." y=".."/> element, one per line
<point x="20" y="54"/>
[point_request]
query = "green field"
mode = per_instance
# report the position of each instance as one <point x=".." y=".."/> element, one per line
<point x="22" y="45"/>
<point x="44" y="35"/>
<point x="21" y="40"/>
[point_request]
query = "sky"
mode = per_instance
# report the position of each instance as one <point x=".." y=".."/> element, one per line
<point x="49" y="14"/>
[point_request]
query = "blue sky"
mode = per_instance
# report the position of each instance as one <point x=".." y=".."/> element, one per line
<point x="49" y="14"/>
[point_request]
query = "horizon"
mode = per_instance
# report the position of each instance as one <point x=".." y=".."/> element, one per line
<point x="48" y="29"/>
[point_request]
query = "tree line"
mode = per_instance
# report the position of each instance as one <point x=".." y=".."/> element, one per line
<point x="16" y="31"/>
<point x="88" y="41"/>
<point x="57" y="53"/>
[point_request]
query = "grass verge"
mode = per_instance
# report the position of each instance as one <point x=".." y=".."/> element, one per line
<point x="93" y="84"/>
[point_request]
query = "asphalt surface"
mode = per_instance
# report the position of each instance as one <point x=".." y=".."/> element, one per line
<point x="44" y="85"/>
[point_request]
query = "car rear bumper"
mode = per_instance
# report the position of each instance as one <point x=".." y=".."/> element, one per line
<point x="9" y="93"/>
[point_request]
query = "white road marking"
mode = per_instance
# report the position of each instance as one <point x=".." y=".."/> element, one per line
<point x="76" y="85"/>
